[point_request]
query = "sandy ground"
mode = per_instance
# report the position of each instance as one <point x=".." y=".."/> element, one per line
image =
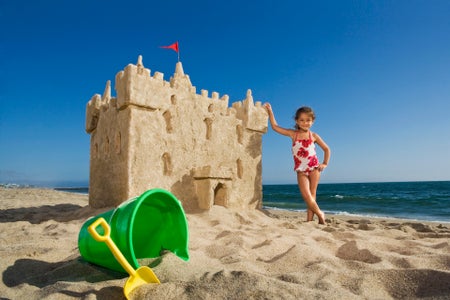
<point x="233" y="255"/>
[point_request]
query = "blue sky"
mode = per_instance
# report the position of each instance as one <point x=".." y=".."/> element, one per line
<point x="377" y="74"/>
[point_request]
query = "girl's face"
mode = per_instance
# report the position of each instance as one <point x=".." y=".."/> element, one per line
<point x="305" y="121"/>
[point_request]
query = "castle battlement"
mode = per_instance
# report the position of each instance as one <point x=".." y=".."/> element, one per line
<point x="158" y="133"/>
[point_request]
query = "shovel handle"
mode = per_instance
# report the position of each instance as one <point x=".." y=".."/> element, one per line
<point x="110" y="243"/>
<point x="94" y="232"/>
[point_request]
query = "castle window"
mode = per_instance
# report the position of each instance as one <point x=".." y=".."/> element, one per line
<point x="168" y="117"/>
<point x="173" y="99"/>
<point x="240" y="134"/>
<point x="208" y="123"/>
<point x="167" y="162"/>
<point x="211" y="108"/>
<point x="240" y="168"/>
<point x="95" y="151"/>
<point x="117" y="141"/>
<point x="106" y="146"/>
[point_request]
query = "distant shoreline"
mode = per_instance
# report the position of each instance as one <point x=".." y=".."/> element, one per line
<point x="70" y="186"/>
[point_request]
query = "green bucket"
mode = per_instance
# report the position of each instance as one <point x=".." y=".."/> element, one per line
<point x="141" y="228"/>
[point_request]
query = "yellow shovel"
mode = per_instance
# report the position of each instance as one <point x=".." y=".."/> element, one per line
<point x="138" y="277"/>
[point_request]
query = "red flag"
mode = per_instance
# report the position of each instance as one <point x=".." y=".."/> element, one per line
<point x="174" y="47"/>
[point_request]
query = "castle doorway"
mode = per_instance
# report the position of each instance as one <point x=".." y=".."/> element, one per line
<point x="220" y="195"/>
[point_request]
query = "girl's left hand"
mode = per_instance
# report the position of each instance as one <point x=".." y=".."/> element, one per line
<point x="321" y="167"/>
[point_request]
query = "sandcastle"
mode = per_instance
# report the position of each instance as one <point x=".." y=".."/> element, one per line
<point x="159" y="134"/>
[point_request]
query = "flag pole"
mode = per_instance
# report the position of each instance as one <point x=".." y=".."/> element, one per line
<point x="174" y="47"/>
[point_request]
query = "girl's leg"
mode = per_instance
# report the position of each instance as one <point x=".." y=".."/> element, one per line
<point x="304" y="186"/>
<point x="314" y="177"/>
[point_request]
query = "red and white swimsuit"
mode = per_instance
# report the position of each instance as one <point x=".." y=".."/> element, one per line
<point x="304" y="152"/>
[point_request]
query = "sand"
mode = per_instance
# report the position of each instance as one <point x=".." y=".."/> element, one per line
<point x="233" y="255"/>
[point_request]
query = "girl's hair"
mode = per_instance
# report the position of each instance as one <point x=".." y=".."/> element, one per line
<point x="304" y="110"/>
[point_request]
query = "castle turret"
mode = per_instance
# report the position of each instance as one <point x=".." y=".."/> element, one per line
<point x="181" y="80"/>
<point x="253" y="116"/>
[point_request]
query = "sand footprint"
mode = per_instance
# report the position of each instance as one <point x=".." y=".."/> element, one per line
<point x="287" y="225"/>
<point x="214" y="223"/>
<point x="419" y="227"/>
<point x="276" y="257"/>
<point x="229" y="259"/>
<point x="242" y="220"/>
<point x="54" y="230"/>
<point x="363" y="224"/>
<point x="223" y="234"/>
<point x="288" y="278"/>
<point x="265" y="243"/>
<point x="349" y="251"/>
<point x="440" y="245"/>
<point x="414" y="284"/>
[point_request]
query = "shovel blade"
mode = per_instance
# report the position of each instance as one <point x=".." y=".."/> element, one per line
<point x="142" y="276"/>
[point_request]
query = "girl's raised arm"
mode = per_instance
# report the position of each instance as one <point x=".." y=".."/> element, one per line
<point x="273" y="123"/>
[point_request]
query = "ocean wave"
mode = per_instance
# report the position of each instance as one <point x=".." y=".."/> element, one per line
<point x="362" y="215"/>
<point x="15" y="186"/>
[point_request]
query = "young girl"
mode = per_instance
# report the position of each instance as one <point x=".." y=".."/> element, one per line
<point x="306" y="163"/>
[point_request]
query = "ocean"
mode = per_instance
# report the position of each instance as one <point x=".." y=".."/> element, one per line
<point x="427" y="201"/>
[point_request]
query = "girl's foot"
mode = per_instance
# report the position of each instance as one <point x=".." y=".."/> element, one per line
<point x="321" y="218"/>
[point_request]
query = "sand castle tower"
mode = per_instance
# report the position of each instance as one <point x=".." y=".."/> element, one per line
<point x="160" y="134"/>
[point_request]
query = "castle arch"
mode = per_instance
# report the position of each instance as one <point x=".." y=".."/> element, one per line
<point x="173" y="99"/>
<point x="208" y="123"/>
<point x="106" y="146"/>
<point x="240" y="168"/>
<point x="168" y="118"/>
<point x="167" y="163"/>
<point x="117" y="142"/>
<point x="220" y="195"/>
<point x="240" y="134"/>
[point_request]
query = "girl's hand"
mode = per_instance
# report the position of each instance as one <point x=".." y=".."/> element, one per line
<point x="322" y="167"/>
<point x="268" y="107"/>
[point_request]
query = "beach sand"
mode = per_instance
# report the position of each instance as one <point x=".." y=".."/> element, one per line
<point x="233" y="255"/>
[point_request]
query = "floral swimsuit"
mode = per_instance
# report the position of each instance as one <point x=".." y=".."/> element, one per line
<point x="305" y="158"/>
